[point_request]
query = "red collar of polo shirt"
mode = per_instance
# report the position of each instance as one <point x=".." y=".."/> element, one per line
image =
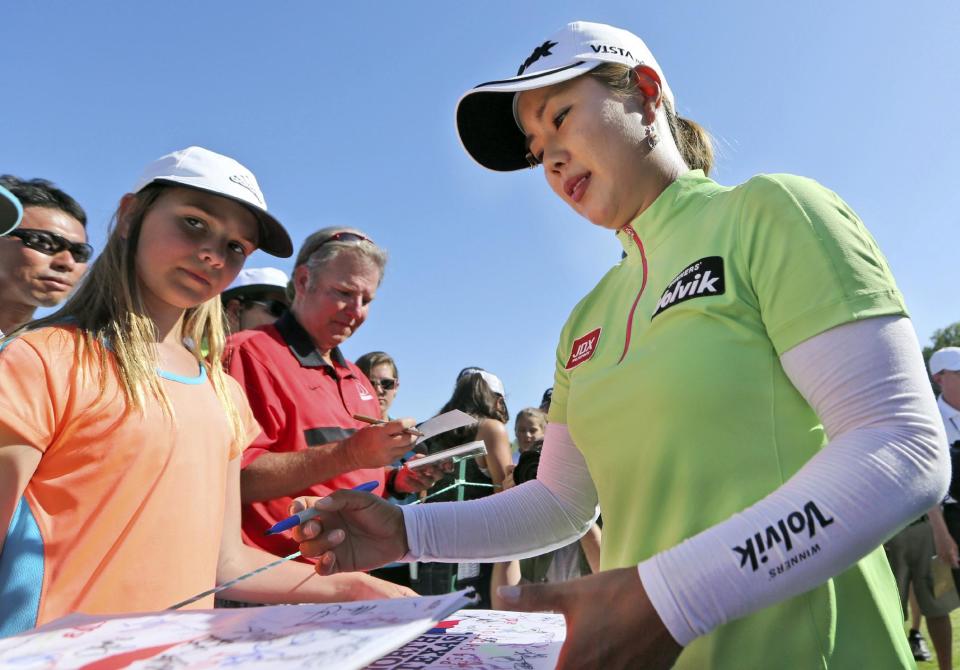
<point x="301" y="345"/>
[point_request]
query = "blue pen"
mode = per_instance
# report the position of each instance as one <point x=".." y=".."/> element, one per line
<point x="307" y="514"/>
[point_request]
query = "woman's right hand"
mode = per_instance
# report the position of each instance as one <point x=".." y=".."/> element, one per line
<point x="354" y="531"/>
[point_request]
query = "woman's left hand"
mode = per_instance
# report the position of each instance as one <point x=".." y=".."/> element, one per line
<point x="610" y="621"/>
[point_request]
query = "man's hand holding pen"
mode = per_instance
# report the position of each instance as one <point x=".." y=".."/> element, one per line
<point x="379" y="445"/>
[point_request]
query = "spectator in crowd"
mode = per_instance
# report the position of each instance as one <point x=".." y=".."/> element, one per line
<point x="744" y="393"/>
<point x="481" y="395"/>
<point x="945" y="371"/>
<point x="911" y="554"/>
<point x="42" y="260"/>
<point x="257" y="297"/>
<point x="381" y="370"/>
<point x="574" y="560"/>
<point x="10" y="211"/>
<point x="918" y="645"/>
<point x="933" y="534"/>
<point x="120" y="441"/>
<point x="529" y="426"/>
<point x="305" y="393"/>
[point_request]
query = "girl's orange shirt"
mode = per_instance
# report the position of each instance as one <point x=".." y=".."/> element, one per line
<point x="128" y="504"/>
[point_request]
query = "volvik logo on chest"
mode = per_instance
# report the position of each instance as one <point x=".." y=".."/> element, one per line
<point x="700" y="279"/>
<point x="583" y="348"/>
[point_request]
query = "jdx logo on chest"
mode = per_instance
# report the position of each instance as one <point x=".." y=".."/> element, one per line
<point x="583" y="348"/>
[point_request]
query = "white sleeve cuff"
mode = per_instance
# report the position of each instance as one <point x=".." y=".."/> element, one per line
<point x="558" y="508"/>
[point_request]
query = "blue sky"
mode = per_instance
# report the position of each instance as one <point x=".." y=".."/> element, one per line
<point x="345" y="113"/>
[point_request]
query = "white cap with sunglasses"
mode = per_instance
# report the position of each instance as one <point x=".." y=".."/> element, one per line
<point x="486" y="122"/>
<point x="10" y="211"/>
<point x="215" y="173"/>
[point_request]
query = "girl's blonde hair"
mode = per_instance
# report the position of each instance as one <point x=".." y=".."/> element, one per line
<point x="535" y="414"/>
<point x="692" y="140"/>
<point x="107" y="309"/>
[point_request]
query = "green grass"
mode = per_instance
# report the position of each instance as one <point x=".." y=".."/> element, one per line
<point x="932" y="665"/>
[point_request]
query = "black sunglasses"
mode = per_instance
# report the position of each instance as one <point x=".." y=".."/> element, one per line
<point x="52" y="244"/>
<point x="276" y="308"/>
<point x="387" y="384"/>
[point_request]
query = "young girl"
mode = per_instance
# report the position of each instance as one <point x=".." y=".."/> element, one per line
<point x="743" y="394"/>
<point x="529" y="427"/>
<point x="119" y="441"/>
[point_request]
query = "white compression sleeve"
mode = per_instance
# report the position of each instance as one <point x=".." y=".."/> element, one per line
<point x="538" y="516"/>
<point x="867" y="383"/>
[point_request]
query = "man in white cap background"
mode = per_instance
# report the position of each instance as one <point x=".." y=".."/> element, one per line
<point x="936" y="533"/>
<point x="945" y="372"/>
<point x="257" y="297"/>
<point x="43" y="259"/>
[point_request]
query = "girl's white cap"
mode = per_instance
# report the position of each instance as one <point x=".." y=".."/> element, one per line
<point x="209" y="171"/>
<point x="485" y="117"/>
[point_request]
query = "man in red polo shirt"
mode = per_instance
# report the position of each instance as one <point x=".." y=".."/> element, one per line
<point x="305" y="393"/>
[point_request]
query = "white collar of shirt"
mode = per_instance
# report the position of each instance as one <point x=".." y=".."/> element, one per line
<point x="951" y="419"/>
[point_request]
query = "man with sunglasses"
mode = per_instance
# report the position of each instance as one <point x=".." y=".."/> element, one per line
<point x="381" y="370"/>
<point x="305" y="394"/>
<point x="257" y="297"/>
<point x="43" y="259"/>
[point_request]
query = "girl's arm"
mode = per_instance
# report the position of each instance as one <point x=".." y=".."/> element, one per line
<point x="291" y="582"/>
<point x="590" y="543"/>
<point x="508" y="573"/>
<point x="18" y="462"/>
<point x="504" y="574"/>
<point x="494" y="435"/>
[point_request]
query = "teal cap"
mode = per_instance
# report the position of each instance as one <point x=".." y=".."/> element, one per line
<point x="10" y="211"/>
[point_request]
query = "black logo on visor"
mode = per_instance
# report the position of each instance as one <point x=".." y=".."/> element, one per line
<point x="538" y="53"/>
